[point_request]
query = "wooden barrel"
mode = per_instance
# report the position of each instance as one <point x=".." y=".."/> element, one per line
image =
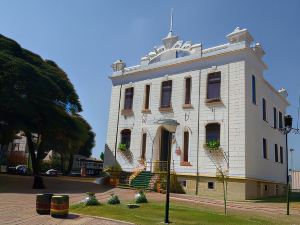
<point x="59" y="206"/>
<point x="43" y="203"/>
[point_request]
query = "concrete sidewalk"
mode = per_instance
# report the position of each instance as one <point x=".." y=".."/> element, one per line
<point x="20" y="209"/>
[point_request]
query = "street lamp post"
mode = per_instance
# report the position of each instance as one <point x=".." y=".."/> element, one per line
<point x="171" y="126"/>
<point x="288" y="121"/>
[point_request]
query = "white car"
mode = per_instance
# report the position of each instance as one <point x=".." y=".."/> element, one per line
<point x="52" y="172"/>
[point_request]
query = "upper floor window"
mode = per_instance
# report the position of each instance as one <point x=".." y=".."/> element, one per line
<point x="166" y="94"/>
<point x="214" y="85"/>
<point x="253" y="90"/>
<point x="128" y="98"/>
<point x="147" y="97"/>
<point x="186" y="146"/>
<point x="213" y="132"/>
<point x="144" y="144"/>
<point x="126" y="137"/>
<point x="276" y="153"/>
<point x="265" y="148"/>
<point x="264" y="105"/>
<point x="281" y="154"/>
<point x="275" y="117"/>
<point x="188" y="83"/>
<point x="280" y="120"/>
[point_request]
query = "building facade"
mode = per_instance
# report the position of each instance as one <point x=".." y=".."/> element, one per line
<point x="86" y="166"/>
<point x="219" y="97"/>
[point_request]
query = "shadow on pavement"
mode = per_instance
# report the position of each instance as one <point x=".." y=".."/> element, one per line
<point x="60" y="184"/>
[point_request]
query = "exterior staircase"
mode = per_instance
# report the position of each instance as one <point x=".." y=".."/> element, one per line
<point x="142" y="180"/>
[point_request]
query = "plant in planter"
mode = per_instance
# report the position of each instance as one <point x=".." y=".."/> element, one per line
<point x="122" y="147"/>
<point x="140" y="197"/>
<point x="113" y="200"/>
<point x="212" y="145"/>
<point x="91" y="199"/>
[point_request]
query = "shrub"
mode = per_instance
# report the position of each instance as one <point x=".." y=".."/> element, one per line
<point x="140" y="197"/>
<point x="91" y="199"/>
<point x="213" y="145"/>
<point x="113" y="200"/>
<point x="122" y="147"/>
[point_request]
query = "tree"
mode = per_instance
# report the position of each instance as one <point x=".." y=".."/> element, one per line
<point x="102" y="156"/>
<point x="220" y="160"/>
<point x="36" y="97"/>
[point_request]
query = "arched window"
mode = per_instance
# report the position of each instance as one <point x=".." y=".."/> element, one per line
<point x="186" y="146"/>
<point x="125" y="137"/>
<point x="213" y="132"/>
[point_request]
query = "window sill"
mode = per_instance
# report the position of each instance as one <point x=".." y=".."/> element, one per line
<point x="166" y="109"/>
<point x="187" y="106"/>
<point x="127" y="112"/>
<point x="213" y="101"/>
<point x="146" y="111"/>
<point x="185" y="164"/>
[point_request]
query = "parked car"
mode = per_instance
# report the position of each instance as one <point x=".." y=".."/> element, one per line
<point x="52" y="172"/>
<point x="21" y="169"/>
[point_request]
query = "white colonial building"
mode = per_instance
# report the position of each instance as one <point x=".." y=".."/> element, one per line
<point x="219" y="97"/>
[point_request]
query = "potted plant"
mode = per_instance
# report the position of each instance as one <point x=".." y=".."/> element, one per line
<point x="122" y="147"/>
<point x="212" y="145"/>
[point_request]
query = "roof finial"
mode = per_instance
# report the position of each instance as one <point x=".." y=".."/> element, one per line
<point x="171" y="24"/>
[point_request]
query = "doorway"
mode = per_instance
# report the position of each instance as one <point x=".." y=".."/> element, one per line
<point x="165" y="145"/>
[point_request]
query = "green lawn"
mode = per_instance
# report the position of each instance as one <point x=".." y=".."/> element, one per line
<point x="153" y="213"/>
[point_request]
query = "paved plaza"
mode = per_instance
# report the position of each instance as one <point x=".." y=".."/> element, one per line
<point x="17" y="200"/>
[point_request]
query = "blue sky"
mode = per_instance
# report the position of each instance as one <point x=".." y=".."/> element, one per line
<point x="86" y="37"/>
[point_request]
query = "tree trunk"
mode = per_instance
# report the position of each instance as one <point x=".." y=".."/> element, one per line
<point x="62" y="163"/>
<point x="70" y="165"/>
<point x="38" y="181"/>
<point x="225" y="193"/>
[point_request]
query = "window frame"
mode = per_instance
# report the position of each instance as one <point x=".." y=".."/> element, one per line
<point x="219" y="132"/>
<point x="123" y="138"/>
<point x="186" y="146"/>
<point x="144" y="146"/>
<point x="130" y="106"/>
<point x="264" y="108"/>
<point x="253" y="85"/>
<point x="188" y="91"/>
<point x="281" y="154"/>
<point x="276" y="153"/>
<point x="265" y="148"/>
<point x="211" y="187"/>
<point x="209" y="90"/>
<point x="274" y="117"/>
<point x="280" y="120"/>
<point x="147" y="97"/>
<point x="162" y="94"/>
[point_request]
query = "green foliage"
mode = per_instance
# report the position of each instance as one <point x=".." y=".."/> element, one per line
<point x="122" y="147"/>
<point x="213" y="145"/>
<point x="37" y="97"/>
<point x="140" y="197"/>
<point x="91" y="200"/>
<point x="113" y="200"/>
<point x="102" y="156"/>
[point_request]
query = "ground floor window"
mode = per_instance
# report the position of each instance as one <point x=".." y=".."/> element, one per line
<point x="211" y="185"/>
<point x="125" y="138"/>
